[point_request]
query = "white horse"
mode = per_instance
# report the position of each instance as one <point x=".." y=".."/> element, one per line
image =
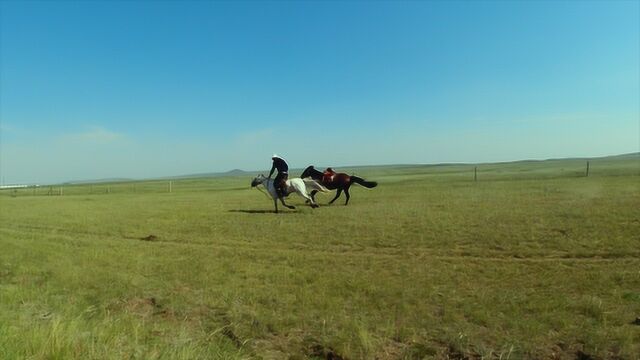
<point x="296" y="185"/>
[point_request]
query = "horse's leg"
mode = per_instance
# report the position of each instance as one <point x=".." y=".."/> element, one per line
<point x="313" y="195"/>
<point x="309" y="199"/>
<point x="275" y="203"/>
<point x="283" y="203"/>
<point x="282" y="200"/>
<point x="346" y="193"/>
<point x="337" y="196"/>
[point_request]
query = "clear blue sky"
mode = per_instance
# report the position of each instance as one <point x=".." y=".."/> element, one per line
<point x="145" y="89"/>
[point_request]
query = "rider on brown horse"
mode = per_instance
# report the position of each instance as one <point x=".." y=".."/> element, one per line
<point x="283" y="173"/>
<point x="338" y="181"/>
<point x="328" y="175"/>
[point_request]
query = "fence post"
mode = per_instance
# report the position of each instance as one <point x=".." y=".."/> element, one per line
<point x="587" y="174"/>
<point x="170" y="183"/>
<point x="475" y="173"/>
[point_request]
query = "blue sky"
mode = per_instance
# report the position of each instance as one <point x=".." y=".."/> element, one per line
<point x="145" y="89"/>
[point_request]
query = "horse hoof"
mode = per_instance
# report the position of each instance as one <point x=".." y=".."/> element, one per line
<point x="291" y="207"/>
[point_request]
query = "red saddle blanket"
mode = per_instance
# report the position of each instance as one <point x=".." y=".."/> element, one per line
<point x="328" y="175"/>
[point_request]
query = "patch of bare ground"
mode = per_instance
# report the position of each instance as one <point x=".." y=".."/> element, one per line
<point x="392" y="350"/>
<point x="580" y="355"/>
<point x="295" y="345"/>
<point x="142" y="307"/>
<point x="149" y="238"/>
<point x="321" y="351"/>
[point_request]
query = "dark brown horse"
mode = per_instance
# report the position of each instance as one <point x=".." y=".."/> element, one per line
<point x="332" y="180"/>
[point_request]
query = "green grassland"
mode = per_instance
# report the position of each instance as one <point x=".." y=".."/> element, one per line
<point x="532" y="261"/>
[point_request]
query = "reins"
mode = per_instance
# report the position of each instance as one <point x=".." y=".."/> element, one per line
<point x="262" y="191"/>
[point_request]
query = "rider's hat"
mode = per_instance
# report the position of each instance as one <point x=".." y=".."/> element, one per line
<point x="276" y="156"/>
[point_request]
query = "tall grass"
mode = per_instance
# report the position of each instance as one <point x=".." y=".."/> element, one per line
<point x="527" y="262"/>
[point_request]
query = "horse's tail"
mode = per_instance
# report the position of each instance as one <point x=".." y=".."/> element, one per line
<point x="363" y="182"/>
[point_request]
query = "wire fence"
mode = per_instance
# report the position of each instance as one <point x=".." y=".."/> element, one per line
<point x="475" y="173"/>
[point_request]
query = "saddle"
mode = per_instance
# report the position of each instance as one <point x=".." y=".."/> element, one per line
<point x="328" y="175"/>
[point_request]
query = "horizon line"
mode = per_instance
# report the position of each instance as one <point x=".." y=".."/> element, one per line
<point x="116" y="179"/>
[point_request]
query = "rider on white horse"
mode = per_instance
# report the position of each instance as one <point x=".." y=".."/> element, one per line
<point x="297" y="185"/>
<point x="283" y="174"/>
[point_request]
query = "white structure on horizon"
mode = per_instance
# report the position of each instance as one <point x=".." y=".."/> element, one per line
<point x="17" y="186"/>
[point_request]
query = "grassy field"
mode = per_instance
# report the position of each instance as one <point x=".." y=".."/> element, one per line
<point x="532" y="261"/>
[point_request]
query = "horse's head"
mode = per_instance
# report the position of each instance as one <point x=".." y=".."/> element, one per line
<point x="258" y="180"/>
<point x="307" y="172"/>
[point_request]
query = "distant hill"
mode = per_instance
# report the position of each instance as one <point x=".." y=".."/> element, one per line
<point x="239" y="172"/>
<point x="235" y="172"/>
<point x="610" y="157"/>
<point x="635" y="155"/>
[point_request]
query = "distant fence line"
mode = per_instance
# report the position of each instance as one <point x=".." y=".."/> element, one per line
<point x="88" y="189"/>
<point x="475" y="172"/>
<point x="168" y="185"/>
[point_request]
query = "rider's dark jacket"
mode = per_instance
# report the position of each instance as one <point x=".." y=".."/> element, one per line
<point x="279" y="164"/>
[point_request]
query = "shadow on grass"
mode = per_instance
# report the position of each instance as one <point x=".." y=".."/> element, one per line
<point x="263" y="211"/>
